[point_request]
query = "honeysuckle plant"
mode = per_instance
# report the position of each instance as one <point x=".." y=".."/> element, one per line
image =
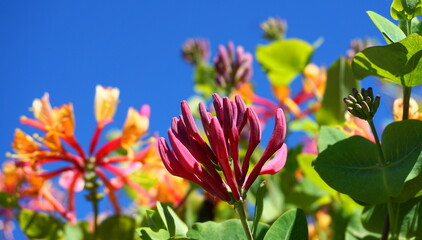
<point x="352" y="169"/>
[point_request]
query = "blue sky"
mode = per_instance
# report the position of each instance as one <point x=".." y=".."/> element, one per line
<point x="65" y="48"/>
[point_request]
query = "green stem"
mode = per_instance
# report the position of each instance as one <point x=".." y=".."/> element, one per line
<point x="393" y="219"/>
<point x="95" y="208"/>
<point x="377" y="141"/>
<point x="242" y="214"/>
<point x="406" y="98"/>
<point x="408" y="27"/>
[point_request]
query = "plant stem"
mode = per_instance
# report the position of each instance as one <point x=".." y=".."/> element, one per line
<point x="377" y="141"/>
<point x="242" y="214"/>
<point x="95" y="208"/>
<point x="406" y="98"/>
<point x="393" y="219"/>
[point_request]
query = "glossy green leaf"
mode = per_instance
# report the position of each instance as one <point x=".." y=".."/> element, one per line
<point x="373" y="217"/>
<point x="351" y="165"/>
<point x="329" y="136"/>
<point x="174" y="225"/>
<point x="8" y="200"/>
<point x="227" y="230"/>
<point x="283" y="60"/>
<point x="305" y="163"/>
<point x="392" y="33"/>
<point x="291" y="225"/>
<point x="39" y="225"/>
<point x="117" y="227"/>
<point x="405" y="9"/>
<point x="340" y="81"/>
<point x="398" y="62"/>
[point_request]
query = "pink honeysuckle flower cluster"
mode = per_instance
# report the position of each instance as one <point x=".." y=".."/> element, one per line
<point x="196" y="51"/>
<point x="201" y="161"/>
<point x="81" y="167"/>
<point x="233" y="66"/>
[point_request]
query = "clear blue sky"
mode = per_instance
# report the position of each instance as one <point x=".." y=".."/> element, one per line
<point x="67" y="47"/>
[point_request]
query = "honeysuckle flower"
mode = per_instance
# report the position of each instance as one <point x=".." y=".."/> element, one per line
<point x="233" y="66"/>
<point x="274" y="28"/>
<point x="83" y="170"/>
<point x="196" y="51"/>
<point x="314" y="80"/>
<point x="357" y="45"/>
<point x="105" y="104"/>
<point x="215" y="164"/>
<point x="413" y="109"/>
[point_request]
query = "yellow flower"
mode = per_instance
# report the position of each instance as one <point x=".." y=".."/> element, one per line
<point x="413" y="109"/>
<point x="135" y="127"/>
<point x="42" y="110"/>
<point x="106" y="100"/>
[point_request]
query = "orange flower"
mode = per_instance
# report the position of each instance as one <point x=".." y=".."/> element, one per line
<point x="135" y="127"/>
<point x="106" y="100"/>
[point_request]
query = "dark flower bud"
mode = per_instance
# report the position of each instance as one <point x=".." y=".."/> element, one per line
<point x="195" y="51"/>
<point x="274" y="28"/>
<point x="362" y="104"/>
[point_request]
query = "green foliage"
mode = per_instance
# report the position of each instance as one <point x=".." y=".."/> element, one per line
<point x="78" y="231"/>
<point x="227" y="230"/>
<point x="259" y="206"/>
<point x="405" y="9"/>
<point x="291" y="225"/>
<point x="205" y="80"/>
<point x="283" y="60"/>
<point x="40" y="226"/>
<point x="352" y="166"/>
<point x="8" y="200"/>
<point x="398" y="62"/>
<point x="163" y="223"/>
<point x="339" y="82"/>
<point x="117" y="227"/>
<point x="391" y="32"/>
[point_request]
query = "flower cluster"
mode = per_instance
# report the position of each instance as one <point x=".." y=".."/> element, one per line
<point x="196" y="51"/>
<point x="205" y="162"/>
<point x="362" y="104"/>
<point x="274" y="28"/>
<point x="233" y="66"/>
<point x="82" y="170"/>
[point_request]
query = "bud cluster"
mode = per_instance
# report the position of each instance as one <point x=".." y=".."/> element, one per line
<point x="195" y="51"/>
<point x="274" y="28"/>
<point x="362" y="104"/>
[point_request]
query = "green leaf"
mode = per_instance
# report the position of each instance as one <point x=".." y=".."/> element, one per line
<point x="351" y="166"/>
<point x="305" y="124"/>
<point x="117" y="227"/>
<point x="39" y="225"/>
<point x="398" y="62"/>
<point x="146" y="233"/>
<point x="174" y="225"/>
<point x="78" y="231"/>
<point x="227" y="230"/>
<point x="373" y="217"/>
<point x="410" y="220"/>
<point x="329" y="136"/>
<point x="283" y="60"/>
<point x="340" y="81"/>
<point x="305" y="163"/>
<point x="291" y="225"/>
<point x="392" y="33"/>
<point x="405" y="9"/>
<point x="8" y="200"/>
<point x="356" y="231"/>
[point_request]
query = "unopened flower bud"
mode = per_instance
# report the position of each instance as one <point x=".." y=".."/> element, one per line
<point x="195" y="51"/>
<point x="274" y="28"/>
<point x="362" y="104"/>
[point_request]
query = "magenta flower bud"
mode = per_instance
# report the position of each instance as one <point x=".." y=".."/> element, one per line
<point x="233" y="66"/>
<point x="195" y="51"/>
<point x="215" y="164"/>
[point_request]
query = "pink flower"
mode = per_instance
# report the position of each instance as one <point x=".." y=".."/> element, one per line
<point x="192" y="158"/>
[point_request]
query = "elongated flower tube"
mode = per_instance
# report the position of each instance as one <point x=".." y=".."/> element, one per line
<point x="215" y="164"/>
